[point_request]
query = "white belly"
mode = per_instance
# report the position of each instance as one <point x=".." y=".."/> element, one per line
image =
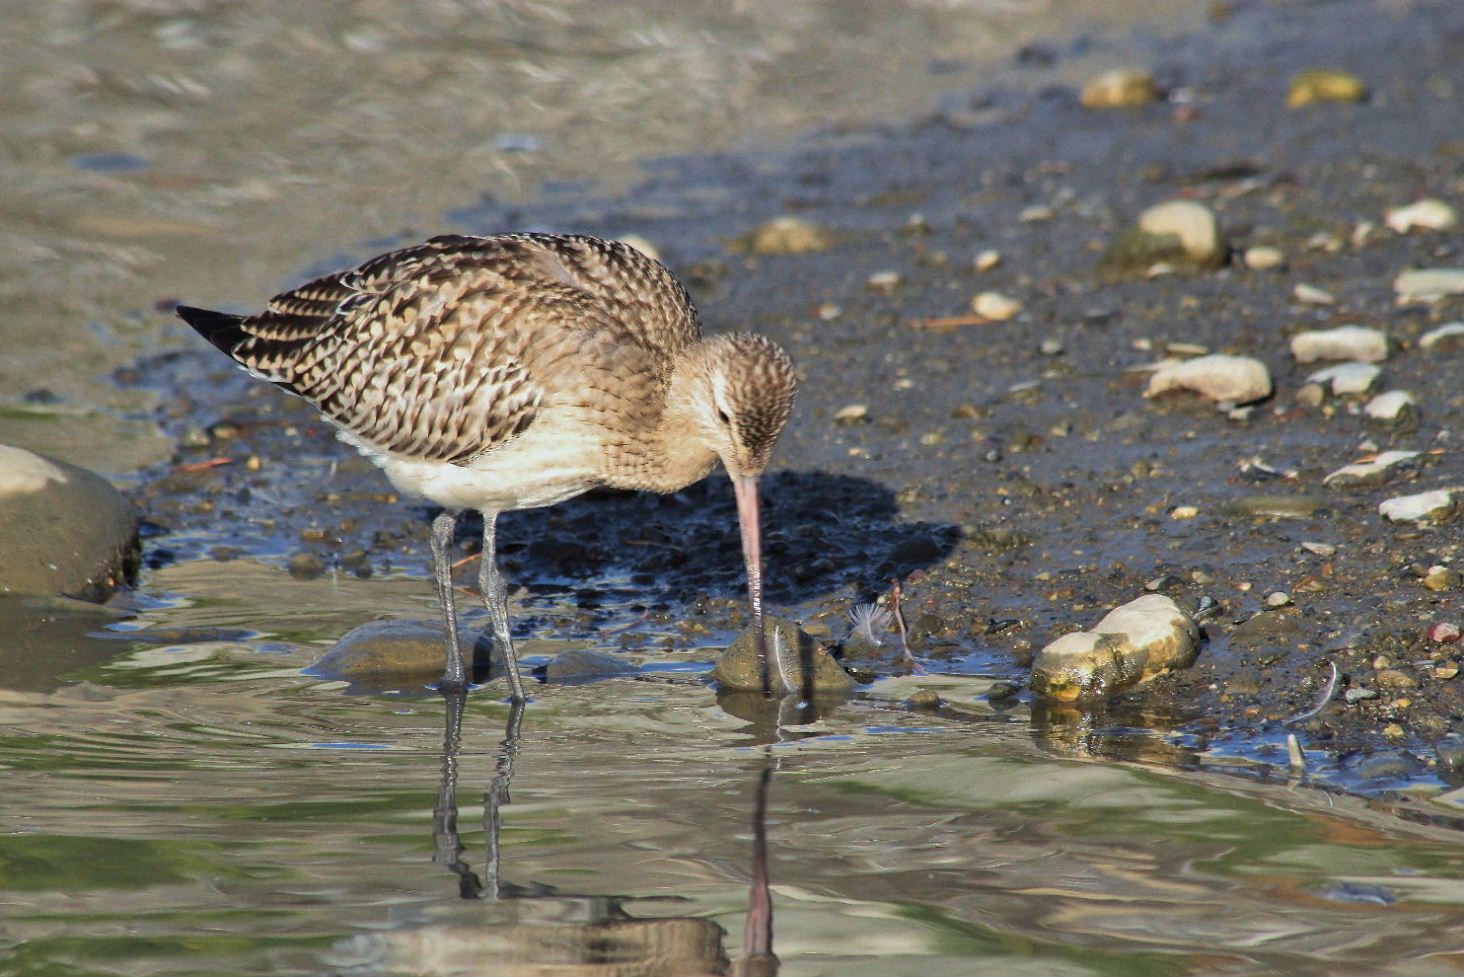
<point x="525" y="473"/>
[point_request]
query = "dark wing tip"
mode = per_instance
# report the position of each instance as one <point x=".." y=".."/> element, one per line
<point x="219" y="328"/>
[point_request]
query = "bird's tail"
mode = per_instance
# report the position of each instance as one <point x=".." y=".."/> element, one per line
<point x="219" y="328"/>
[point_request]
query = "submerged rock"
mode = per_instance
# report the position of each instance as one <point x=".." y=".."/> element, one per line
<point x="1131" y="645"/>
<point x="1237" y="379"/>
<point x="63" y="530"/>
<point x="807" y="668"/>
<point x="399" y="654"/>
<point x="1356" y="343"/>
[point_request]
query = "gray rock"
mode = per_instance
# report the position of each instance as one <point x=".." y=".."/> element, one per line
<point x="582" y="665"/>
<point x="810" y="670"/>
<point x="381" y="656"/>
<point x="1369" y="472"/>
<point x="63" y="529"/>
<point x="1395" y="408"/>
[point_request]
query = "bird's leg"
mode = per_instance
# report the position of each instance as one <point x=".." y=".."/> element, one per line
<point x="495" y="597"/>
<point x="454" y="675"/>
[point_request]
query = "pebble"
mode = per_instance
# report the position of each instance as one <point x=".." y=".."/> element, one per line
<point x="1218" y="377"/>
<point x="1449" y="336"/>
<point x="852" y="414"/>
<point x="1276" y="506"/>
<point x="1131" y="645"/>
<point x="305" y="566"/>
<point x="1325" y="550"/>
<point x="1358" y="343"/>
<point x="1036" y="213"/>
<point x="1357" y="694"/>
<point x="986" y="260"/>
<point x="1444" y="632"/>
<point x="1429" y="214"/>
<point x="1050" y="347"/>
<point x="789" y="235"/>
<point x="1119" y="88"/>
<point x="1279" y="598"/>
<point x="1347" y="378"/>
<point x="1324" y="85"/>
<point x="1422" y="507"/>
<point x="383" y="656"/>
<point x="1312" y="295"/>
<point x="884" y="281"/>
<point x="1190" y="221"/>
<point x="1374" y="470"/>
<point x="1441" y="579"/>
<point x="995" y="306"/>
<point x="1395" y="407"/>
<point x="1428" y="285"/>
<point x="63" y="529"/>
<point x="1263" y="257"/>
<point x="738" y="669"/>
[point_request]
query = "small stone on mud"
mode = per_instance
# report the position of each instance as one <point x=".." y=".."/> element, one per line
<point x="1324" y="85"/>
<point x="1263" y="257"/>
<point x="986" y="260"/>
<point x="995" y="306"/>
<point x="1429" y="214"/>
<point x="1131" y="645"/>
<point x="1446" y="338"/>
<point x="1237" y="379"/>
<point x="1428" y="285"/>
<point x="1395" y="408"/>
<point x="789" y="235"/>
<point x="1190" y="221"/>
<point x="1423" y="507"/>
<point x="1311" y="295"/>
<point x="852" y="414"/>
<point x="923" y="701"/>
<point x="1372" y="471"/>
<point x="1119" y="88"/>
<point x="1441" y="579"/>
<point x="1279" y="598"/>
<point x="1347" y="378"/>
<point x="1356" y="343"/>
<point x="1325" y="550"/>
<point x="1444" y="632"/>
<point x="809" y="669"/>
<point x="884" y="281"/>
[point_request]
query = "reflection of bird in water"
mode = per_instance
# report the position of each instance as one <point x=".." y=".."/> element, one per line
<point x="517" y="371"/>
<point x="536" y="928"/>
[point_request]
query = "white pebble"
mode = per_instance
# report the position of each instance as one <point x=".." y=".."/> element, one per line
<point x="994" y="305"/>
<point x="1449" y="335"/>
<point x="1357" y="343"/>
<point x="1324" y="550"/>
<point x="1237" y="379"/>
<point x="1428" y="284"/>
<point x="1263" y="257"/>
<point x="1035" y="213"/>
<point x="1347" y="378"/>
<point x="987" y="260"/>
<point x="1192" y="222"/>
<point x="1429" y="214"/>
<point x="1423" y="507"/>
<point x="885" y="281"/>
<point x="1369" y="471"/>
<point x="1312" y="295"/>
<point x="1393" y="406"/>
<point x="1279" y="598"/>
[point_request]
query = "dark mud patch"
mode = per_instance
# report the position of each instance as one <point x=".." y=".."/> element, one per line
<point x="1011" y="473"/>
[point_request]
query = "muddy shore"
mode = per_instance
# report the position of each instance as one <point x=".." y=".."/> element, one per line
<point x="1009" y="472"/>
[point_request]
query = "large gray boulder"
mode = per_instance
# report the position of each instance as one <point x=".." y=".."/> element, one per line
<point x="63" y="529"/>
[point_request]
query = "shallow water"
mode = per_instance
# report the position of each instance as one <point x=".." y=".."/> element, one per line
<point x="205" y="807"/>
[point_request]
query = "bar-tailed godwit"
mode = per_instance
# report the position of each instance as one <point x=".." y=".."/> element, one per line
<point x="520" y="370"/>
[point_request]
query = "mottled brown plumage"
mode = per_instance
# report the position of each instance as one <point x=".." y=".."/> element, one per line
<point x="519" y="370"/>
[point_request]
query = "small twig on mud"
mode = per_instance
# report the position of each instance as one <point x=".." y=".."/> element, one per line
<point x="950" y="322"/>
<point x="198" y="466"/>
<point x="895" y="594"/>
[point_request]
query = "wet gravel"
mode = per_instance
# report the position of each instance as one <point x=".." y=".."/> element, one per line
<point x="1010" y="472"/>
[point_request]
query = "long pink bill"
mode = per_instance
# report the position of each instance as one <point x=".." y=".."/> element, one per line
<point x="749" y="519"/>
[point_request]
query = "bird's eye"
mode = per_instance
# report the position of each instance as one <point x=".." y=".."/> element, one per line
<point x="724" y="417"/>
